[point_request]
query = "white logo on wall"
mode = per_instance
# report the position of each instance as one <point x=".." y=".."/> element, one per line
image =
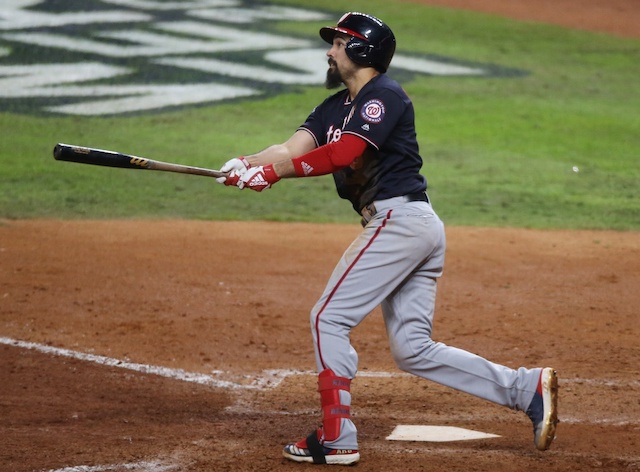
<point x="125" y="56"/>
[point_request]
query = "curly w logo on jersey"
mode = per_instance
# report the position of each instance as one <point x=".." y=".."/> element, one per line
<point x="373" y="111"/>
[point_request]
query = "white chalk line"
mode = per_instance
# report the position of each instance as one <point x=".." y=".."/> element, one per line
<point x="135" y="466"/>
<point x="272" y="378"/>
<point x="267" y="380"/>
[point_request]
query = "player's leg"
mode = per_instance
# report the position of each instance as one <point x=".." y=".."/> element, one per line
<point x="385" y="253"/>
<point x="378" y="263"/>
<point x="408" y="315"/>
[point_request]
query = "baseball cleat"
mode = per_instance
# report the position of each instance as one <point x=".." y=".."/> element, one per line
<point x="310" y="450"/>
<point x="543" y="409"/>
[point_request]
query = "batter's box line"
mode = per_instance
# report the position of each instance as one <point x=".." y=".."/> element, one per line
<point x="267" y="380"/>
<point x="133" y="466"/>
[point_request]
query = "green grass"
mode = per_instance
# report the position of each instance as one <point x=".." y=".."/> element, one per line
<point x="497" y="151"/>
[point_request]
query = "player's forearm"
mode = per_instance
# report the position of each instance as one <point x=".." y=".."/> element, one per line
<point x="285" y="169"/>
<point x="271" y="155"/>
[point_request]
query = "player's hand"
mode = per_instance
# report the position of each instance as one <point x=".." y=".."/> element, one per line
<point x="231" y="179"/>
<point x="236" y="167"/>
<point x="258" y="178"/>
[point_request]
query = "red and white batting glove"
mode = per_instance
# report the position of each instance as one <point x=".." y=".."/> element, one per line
<point x="235" y="167"/>
<point x="258" y="178"/>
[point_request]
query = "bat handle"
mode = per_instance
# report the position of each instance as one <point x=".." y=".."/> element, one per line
<point x="169" y="167"/>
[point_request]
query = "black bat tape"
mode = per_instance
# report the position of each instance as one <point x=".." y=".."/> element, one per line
<point x="101" y="157"/>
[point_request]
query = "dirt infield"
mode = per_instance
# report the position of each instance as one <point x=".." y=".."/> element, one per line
<point x="130" y="345"/>
<point x="160" y="294"/>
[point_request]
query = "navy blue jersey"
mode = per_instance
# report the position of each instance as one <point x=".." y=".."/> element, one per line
<point x="382" y="114"/>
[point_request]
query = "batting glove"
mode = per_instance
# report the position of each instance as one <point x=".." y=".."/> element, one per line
<point x="258" y="178"/>
<point x="235" y="167"/>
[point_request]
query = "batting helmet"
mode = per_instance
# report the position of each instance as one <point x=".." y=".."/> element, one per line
<point x="372" y="42"/>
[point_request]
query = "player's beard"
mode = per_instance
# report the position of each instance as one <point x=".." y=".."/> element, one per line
<point x="334" y="77"/>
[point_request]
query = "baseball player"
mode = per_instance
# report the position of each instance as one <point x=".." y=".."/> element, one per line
<point x="365" y="136"/>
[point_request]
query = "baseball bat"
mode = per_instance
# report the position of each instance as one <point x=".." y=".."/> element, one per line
<point x="100" y="157"/>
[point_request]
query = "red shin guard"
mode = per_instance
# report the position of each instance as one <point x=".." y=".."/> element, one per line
<point x="329" y="386"/>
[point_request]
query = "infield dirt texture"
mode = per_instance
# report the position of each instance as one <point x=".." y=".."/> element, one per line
<point x="130" y="345"/>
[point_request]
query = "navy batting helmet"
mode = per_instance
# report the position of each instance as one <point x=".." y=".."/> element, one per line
<point x="372" y="42"/>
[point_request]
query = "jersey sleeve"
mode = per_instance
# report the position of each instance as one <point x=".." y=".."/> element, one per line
<point x="375" y="115"/>
<point x="313" y="125"/>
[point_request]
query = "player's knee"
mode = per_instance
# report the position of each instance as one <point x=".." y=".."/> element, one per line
<point x="408" y="356"/>
<point x="402" y="361"/>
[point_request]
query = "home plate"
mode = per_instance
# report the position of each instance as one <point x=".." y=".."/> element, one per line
<point x="435" y="433"/>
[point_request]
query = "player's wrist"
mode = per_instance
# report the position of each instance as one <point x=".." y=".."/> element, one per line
<point x="245" y="162"/>
<point x="270" y="174"/>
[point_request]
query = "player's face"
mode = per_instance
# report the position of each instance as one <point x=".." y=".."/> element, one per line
<point x="340" y="66"/>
